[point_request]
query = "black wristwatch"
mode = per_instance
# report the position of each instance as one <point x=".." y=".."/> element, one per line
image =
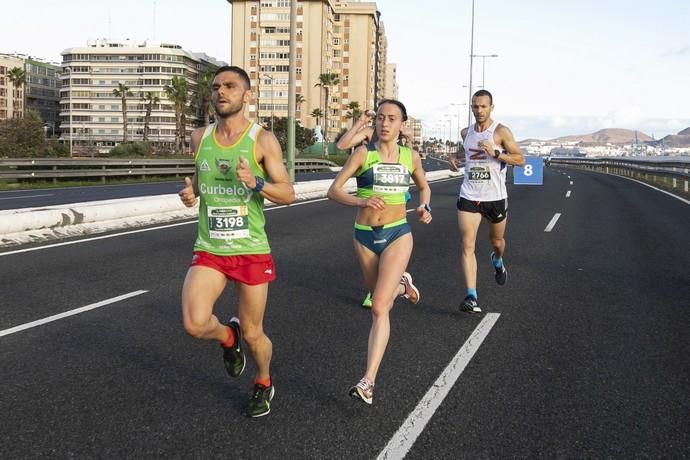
<point x="259" y="184"/>
<point x="426" y="207"/>
<point x="497" y="153"/>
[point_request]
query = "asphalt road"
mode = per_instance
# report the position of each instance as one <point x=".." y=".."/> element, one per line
<point x="588" y="358"/>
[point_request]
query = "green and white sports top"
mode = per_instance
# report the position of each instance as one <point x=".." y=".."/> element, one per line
<point x="231" y="216"/>
<point x="388" y="180"/>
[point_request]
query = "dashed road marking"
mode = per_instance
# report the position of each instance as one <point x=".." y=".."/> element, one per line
<point x="66" y="314"/>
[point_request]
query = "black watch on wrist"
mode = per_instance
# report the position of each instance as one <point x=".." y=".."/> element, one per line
<point x="497" y="153"/>
<point x="426" y="207"/>
<point x="259" y="184"/>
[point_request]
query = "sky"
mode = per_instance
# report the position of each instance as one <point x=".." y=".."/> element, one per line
<point x="563" y="67"/>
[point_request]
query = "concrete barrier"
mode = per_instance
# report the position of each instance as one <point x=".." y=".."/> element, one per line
<point x="30" y="225"/>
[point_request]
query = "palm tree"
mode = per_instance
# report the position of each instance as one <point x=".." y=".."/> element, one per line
<point x="326" y="81"/>
<point x="317" y="114"/>
<point x="202" y="94"/>
<point x="298" y="101"/>
<point x="355" y="112"/>
<point x="122" y="91"/>
<point x="178" y="93"/>
<point x="149" y="98"/>
<point x="18" y="78"/>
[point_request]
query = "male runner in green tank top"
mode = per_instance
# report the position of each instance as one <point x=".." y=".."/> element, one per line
<point x="234" y="158"/>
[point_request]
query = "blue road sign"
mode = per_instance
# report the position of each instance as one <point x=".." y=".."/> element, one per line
<point x="532" y="173"/>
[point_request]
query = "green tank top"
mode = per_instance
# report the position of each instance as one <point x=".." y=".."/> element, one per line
<point x="231" y="216"/>
<point x="388" y="180"/>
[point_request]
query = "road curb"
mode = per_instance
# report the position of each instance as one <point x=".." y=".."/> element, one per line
<point x="32" y="225"/>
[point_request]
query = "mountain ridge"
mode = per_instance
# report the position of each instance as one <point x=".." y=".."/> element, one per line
<point x="619" y="136"/>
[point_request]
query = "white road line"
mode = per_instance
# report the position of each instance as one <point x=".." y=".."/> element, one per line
<point x="76" y="311"/>
<point x="567" y="195"/>
<point x="571" y="182"/>
<point x="403" y="440"/>
<point x="25" y="196"/>
<point x="95" y="238"/>
<point x="552" y="224"/>
<point x="656" y="188"/>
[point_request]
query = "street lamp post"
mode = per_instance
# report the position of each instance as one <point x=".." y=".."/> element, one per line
<point x="484" y="56"/>
<point x="469" y="89"/>
<point x="459" y="105"/>
<point x="450" y="140"/>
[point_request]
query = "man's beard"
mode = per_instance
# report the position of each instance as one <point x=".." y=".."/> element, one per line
<point x="229" y="110"/>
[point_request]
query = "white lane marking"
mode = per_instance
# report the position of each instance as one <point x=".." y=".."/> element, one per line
<point x="567" y="195"/>
<point x="571" y="182"/>
<point x="25" y="196"/>
<point x="552" y="224"/>
<point x="655" y="188"/>
<point x="95" y="238"/>
<point x="403" y="440"/>
<point x="76" y="311"/>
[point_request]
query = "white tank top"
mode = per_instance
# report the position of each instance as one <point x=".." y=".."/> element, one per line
<point x="485" y="176"/>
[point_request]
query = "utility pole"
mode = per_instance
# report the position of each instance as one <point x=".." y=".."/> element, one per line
<point x="469" y="103"/>
<point x="292" y="92"/>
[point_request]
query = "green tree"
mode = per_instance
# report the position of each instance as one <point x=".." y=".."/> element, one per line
<point x="23" y="137"/>
<point x="122" y="91"/>
<point x="354" y="113"/>
<point x="178" y="93"/>
<point x="304" y="137"/>
<point x="18" y="78"/>
<point x="149" y="99"/>
<point x="202" y="95"/>
<point x="326" y="81"/>
<point x="317" y="113"/>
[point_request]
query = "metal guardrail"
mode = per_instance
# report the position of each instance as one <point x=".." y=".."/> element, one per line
<point x="678" y="166"/>
<point x="53" y="168"/>
<point x="645" y="168"/>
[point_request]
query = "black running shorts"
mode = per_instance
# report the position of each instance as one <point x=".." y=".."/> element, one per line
<point x="495" y="211"/>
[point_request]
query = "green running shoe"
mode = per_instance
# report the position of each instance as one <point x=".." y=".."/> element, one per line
<point x="260" y="402"/>
<point x="233" y="357"/>
<point x="366" y="303"/>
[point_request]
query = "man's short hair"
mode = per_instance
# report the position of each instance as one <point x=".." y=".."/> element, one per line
<point x="483" y="92"/>
<point x="238" y="70"/>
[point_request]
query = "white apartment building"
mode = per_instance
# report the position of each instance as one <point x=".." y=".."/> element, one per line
<point x="93" y="114"/>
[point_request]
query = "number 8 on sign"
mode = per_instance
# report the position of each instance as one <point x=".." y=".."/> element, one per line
<point x="531" y="173"/>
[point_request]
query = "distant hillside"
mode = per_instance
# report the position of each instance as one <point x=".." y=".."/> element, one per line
<point x="618" y="136"/>
<point x="530" y="141"/>
<point x="676" y="140"/>
<point x="606" y="136"/>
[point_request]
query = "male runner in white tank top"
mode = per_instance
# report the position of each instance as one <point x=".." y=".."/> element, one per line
<point x="488" y="147"/>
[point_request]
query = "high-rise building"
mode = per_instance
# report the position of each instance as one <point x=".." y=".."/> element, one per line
<point x="391" y="85"/>
<point x="11" y="92"/>
<point x="43" y="92"/>
<point x="333" y="37"/>
<point x="93" y="114"/>
<point x="415" y="125"/>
